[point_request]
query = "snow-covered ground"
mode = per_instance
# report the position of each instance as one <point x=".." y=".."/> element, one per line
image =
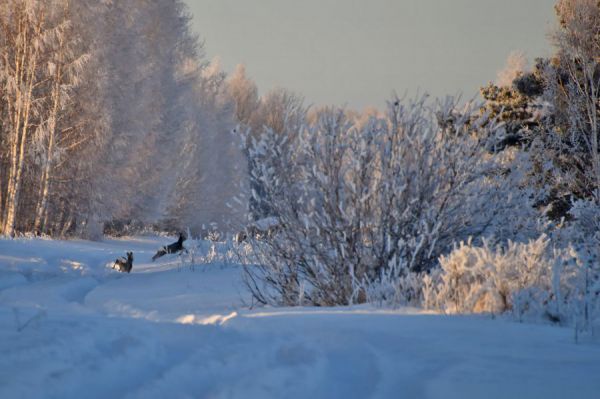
<point x="72" y="328"/>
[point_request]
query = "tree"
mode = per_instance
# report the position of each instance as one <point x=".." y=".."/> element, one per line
<point x="100" y="102"/>
<point x="65" y="65"/>
<point x="363" y="206"/>
<point x="578" y="43"/>
<point x="23" y="24"/>
<point x="282" y="113"/>
<point x="551" y="111"/>
<point x="244" y="93"/>
<point x="213" y="167"/>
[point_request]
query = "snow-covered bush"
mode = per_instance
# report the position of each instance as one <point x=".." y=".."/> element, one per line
<point x="224" y="252"/>
<point x="585" y="227"/>
<point x="486" y="279"/>
<point x="398" y="289"/>
<point x="363" y="207"/>
<point x="529" y="280"/>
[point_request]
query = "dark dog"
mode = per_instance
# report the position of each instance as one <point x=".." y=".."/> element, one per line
<point x="124" y="264"/>
<point x="171" y="248"/>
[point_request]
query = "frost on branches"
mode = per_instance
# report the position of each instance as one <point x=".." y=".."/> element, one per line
<point x="530" y="280"/>
<point x="362" y="207"/>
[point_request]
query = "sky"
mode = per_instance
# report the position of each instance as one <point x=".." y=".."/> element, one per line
<point x="356" y="53"/>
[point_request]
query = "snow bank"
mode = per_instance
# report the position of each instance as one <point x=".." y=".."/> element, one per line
<point x="70" y="327"/>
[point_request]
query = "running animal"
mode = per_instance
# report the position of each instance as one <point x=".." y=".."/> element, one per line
<point x="171" y="248"/>
<point x="124" y="264"/>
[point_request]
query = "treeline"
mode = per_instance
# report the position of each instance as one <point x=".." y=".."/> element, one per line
<point x="489" y="208"/>
<point x="109" y="114"/>
<point x="112" y="120"/>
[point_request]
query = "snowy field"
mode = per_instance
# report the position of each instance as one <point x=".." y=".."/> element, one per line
<point x="72" y="328"/>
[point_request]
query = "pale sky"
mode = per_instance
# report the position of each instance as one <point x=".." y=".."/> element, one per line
<point x="356" y="52"/>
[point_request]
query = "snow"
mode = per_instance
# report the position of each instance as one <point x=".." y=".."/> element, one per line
<point x="71" y="327"/>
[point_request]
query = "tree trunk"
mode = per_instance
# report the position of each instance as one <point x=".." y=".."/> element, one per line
<point x="45" y="184"/>
<point x="26" y="57"/>
<point x="19" y="158"/>
<point x="20" y="44"/>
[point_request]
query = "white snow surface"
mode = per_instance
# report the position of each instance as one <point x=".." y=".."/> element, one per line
<point x="70" y="327"/>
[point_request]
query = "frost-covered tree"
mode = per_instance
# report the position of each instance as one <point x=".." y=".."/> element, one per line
<point x="513" y="104"/>
<point x="100" y="102"/>
<point x="42" y="63"/>
<point x="212" y="164"/>
<point x="552" y="111"/>
<point x="359" y="205"/>
<point x="244" y="94"/>
<point x="59" y="136"/>
<point x="578" y="43"/>
<point x="176" y="158"/>
<point x="23" y="25"/>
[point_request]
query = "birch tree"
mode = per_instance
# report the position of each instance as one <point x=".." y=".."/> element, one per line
<point x="56" y="133"/>
<point x="23" y="27"/>
<point x="578" y="43"/>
